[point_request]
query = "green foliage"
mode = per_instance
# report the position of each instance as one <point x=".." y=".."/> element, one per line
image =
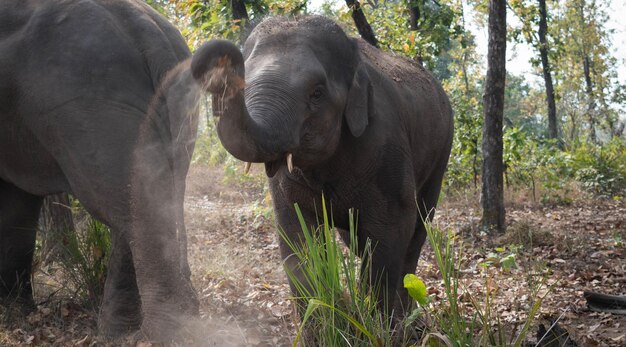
<point x="582" y="35"/>
<point x="437" y="26"/>
<point x="416" y="288"/>
<point x="208" y="19"/>
<point x="478" y="325"/>
<point x="502" y="258"/>
<point x="601" y="169"/>
<point x="538" y="166"/>
<point x="342" y="309"/>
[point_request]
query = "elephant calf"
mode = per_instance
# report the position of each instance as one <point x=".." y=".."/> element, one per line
<point x="97" y="100"/>
<point x="331" y="114"/>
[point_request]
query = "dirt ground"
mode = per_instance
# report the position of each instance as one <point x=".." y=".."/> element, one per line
<point x="245" y="299"/>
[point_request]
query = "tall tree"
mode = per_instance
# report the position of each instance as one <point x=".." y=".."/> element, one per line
<point x="547" y="73"/>
<point x="493" y="102"/>
<point x="534" y="16"/>
<point x="586" y="60"/>
<point x="585" y="71"/>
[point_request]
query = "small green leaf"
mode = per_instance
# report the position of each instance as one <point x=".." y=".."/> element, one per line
<point x="416" y="288"/>
<point x="508" y="262"/>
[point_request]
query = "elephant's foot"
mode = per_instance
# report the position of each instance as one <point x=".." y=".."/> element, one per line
<point x="163" y="322"/>
<point x="20" y="297"/>
<point x="118" y="326"/>
<point x="17" y="306"/>
<point x="120" y="313"/>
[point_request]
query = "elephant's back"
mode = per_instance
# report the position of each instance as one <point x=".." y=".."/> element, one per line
<point x="88" y="34"/>
<point x="400" y="69"/>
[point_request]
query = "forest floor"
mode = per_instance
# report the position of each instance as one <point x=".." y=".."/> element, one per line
<point x="244" y="297"/>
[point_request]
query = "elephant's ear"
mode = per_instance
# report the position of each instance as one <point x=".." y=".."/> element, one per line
<point x="357" y="106"/>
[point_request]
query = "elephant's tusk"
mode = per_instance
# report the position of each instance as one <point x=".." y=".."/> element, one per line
<point x="246" y="168"/>
<point x="290" y="162"/>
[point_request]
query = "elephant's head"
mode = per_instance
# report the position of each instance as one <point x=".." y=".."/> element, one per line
<point x="286" y="98"/>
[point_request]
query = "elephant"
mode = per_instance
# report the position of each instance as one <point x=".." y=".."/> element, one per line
<point x="332" y="115"/>
<point x="97" y="100"/>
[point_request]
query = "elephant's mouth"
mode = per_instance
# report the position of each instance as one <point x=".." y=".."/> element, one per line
<point x="271" y="167"/>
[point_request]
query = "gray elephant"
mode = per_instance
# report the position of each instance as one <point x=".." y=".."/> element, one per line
<point x="333" y="115"/>
<point x="97" y="100"/>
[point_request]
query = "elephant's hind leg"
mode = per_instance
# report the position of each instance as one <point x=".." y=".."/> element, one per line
<point x="19" y="214"/>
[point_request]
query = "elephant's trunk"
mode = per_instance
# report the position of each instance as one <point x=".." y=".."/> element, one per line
<point x="218" y="65"/>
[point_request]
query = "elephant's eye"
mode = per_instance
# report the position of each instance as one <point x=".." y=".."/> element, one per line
<point x="316" y="95"/>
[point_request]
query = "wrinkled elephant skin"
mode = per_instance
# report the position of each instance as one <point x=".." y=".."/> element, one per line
<point x="330" y="114"/>
<point x="97" y="100"/>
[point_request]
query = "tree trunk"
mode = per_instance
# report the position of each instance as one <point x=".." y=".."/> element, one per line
<point x="493" y="100"/>
<point x="414" y="13"/>
<point x="362" y="25"/>
<point x="239" y="10"/>
<point x="547" y="73"/>
<point x="591" y="106"/>
<point x="591" y="103"/>
<point x="56" y="221"/>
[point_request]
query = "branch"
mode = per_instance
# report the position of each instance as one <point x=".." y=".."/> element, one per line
<point x="364" y="28"/>
<point x="606" y="303"/>
<point x="523" y="21"/>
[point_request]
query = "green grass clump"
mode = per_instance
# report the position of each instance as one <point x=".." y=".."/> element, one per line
<point x="84" y="259"/>
<point x="341" y="308"/>
<point x="476" y="324"/>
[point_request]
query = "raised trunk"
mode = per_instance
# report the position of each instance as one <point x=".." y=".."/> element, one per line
<point x="244" y="137"/>
<point x="219" y="66"/>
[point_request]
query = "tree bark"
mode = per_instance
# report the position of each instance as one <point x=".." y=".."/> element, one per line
<point x="56" y="221"/>
<point x="239" y="10"/>
<point x="547" y="72"/>
<point x="414" y="13"/>
<point x="493" y="100"/>
<point x="362" y="25"/>
<point x="591" y="106"/>
<point x="591" y="103"/>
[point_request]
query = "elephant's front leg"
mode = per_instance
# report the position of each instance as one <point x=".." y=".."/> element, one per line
<point x="391" y="241"/>
<point x="167" y="295"/>
<point x="291" y="238"/>
<point x="120" y="313"/>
